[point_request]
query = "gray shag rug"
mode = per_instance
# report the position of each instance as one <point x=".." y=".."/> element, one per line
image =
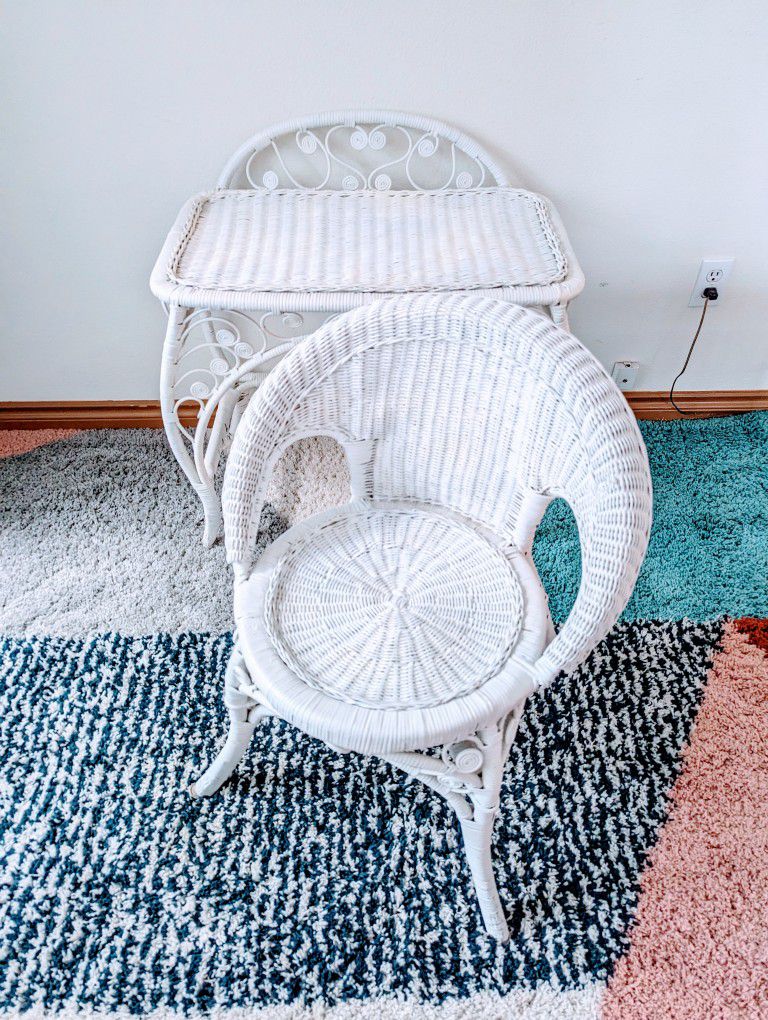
<point x="101" y="532"/>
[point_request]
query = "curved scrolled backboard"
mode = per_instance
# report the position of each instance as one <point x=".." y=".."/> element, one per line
<point x="361" y="149"/>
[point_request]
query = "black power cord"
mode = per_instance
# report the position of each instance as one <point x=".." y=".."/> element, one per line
<point x="709" y="294"/>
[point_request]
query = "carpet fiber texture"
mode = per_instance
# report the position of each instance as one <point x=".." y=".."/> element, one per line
<point x="101" y="532"/>
<point x="705" y="895"/>
<point x="630" y="850"/>
<point x="313" y="876"/>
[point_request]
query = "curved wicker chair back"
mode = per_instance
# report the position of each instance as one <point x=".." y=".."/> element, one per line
<point x="355" y="149"/>
<point x="472" y="404"/>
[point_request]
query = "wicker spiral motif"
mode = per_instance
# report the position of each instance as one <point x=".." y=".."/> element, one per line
<point x="394" y="609"/>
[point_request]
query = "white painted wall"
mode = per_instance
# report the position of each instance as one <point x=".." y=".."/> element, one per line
<point x="645" y="122"/>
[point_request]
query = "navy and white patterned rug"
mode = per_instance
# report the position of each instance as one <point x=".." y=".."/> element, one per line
<point x="312" y="877"/>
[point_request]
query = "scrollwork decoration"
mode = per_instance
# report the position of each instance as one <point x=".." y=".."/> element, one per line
<point x="351" y="157"/>
<point x="467" y="773"/>
<point x="214" y="346"/>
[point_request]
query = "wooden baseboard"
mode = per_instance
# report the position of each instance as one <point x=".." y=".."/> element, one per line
<point x="655" y="405"/>
<point x="145" y="414"/>
<point x="86" y="414"/>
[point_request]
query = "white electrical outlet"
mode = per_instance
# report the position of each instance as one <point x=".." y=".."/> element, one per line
<point x="712" y="273"/>
<point x="624" y="374"/>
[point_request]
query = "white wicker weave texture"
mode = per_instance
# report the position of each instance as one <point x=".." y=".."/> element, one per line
<point x="367" y="241"/>
<point x="413" y="617"/>
<point x="319" y="215"/>
<point x="380" y="608"/>
<point x="470" y="404"/>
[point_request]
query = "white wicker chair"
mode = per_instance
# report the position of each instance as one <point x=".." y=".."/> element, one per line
<point x="319" y="215"/>
<point x="413" y="618"/>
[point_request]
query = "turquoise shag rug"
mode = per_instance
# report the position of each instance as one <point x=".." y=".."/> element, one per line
<point x="708" y="554"/>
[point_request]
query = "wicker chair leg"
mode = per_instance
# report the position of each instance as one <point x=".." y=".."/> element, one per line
<point x="468" y="775"/>
<point x="244" y="713"/>
<point x="478" y="834"/>
<point x="171" y="354"/>
<point x="477" y="827"/>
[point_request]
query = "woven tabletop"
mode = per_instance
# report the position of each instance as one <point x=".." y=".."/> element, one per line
<point x="394" y="609"/>
<point x="362" y="242"/>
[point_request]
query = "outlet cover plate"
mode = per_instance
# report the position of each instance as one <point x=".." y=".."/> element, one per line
<point x="624" y="374"/>
<point x="712" y="273"/>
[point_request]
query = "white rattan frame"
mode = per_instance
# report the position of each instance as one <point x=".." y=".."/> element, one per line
<point x="212" y="335"/>
<point x="474" y="411"/>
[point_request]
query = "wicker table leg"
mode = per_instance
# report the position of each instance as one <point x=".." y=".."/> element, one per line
<point x="209" y="367"/>
<point x="169" y="405"/>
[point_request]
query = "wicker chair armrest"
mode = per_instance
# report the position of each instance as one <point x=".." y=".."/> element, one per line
<point x="613" y="534"/>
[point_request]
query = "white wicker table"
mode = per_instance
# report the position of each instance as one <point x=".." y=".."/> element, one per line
<point x="315" y="217"/>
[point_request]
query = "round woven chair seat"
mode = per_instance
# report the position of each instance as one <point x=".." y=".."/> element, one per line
<point x="393" y="608"/>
